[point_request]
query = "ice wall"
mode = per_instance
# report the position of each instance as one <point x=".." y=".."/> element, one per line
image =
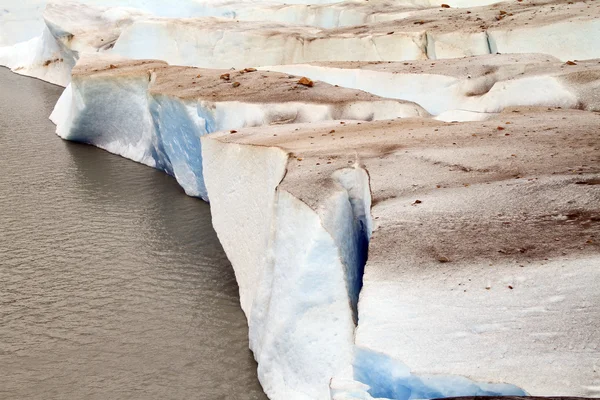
<point x="20" y="21"/>
<point x="114" y="116"/>
<point x="388" y="378"/>
<point x="463" y="170"/>
<point x="290" y="271"/>
<point x="153" y="119"/>
<point x="374" y="32"/>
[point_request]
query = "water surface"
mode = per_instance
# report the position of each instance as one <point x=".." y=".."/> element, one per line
<point x="113" y="284"/>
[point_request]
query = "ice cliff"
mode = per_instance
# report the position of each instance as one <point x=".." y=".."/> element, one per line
<point x="455" y="267"/>
<point x="410" y="212"/>
<point x="155" y="113"/>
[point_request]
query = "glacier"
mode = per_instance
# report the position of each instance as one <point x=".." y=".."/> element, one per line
<point x="21" y="22"/>
<point x="401" y="334"/>
<point x="479" y="85"/>
<point x="152" y="118"/>
<point x="407" y="191"/>
<point x="212" y="35"/>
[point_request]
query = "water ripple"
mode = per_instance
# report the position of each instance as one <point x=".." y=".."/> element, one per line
<point x="112" y="282"/>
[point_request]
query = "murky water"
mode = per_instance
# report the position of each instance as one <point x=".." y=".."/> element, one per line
<point x="113" y="284"/>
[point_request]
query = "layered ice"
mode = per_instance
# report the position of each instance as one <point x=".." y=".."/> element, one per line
<point x="40" y="57"/>
<point x="156" y="114"/>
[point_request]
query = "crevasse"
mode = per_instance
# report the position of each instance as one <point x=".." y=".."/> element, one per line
<point x="300" y="279"/>
<point x="353" y="229"/>
<point x="384" y="377"/>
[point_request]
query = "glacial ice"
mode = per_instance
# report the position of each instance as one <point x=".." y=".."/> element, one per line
<point x="411" y="37"/>
<point x="214" y="43"/>
<point x="469" y="316"/>
<point x="21" y="21"/>
<point x="468" y="89"/>
<point x="152" y="121"/>
<point x="408" y="32"/>
<point x="291" y="278"/>
<point x="388" y="378"/>
<point x="352" y="288"/>
<point x="69" y="29"/>
<point x="39" y="57"/>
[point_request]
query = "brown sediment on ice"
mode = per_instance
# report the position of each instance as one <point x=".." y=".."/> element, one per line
<point x="485" y="244"/>
<point x="517" y="181"/>
<point x="475" y="66"/>
<point x="217" y="85"/>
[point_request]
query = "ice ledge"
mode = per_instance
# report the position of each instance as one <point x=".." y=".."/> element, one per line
<point x="463" y="88"/>
<point x="306" y="199"/>
<point x="565" y="30"/>
<point x="155" y="114"/>
<point x="468" y="172"/>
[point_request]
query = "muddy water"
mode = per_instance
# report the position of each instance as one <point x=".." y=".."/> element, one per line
<point x="113" y="284"/>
